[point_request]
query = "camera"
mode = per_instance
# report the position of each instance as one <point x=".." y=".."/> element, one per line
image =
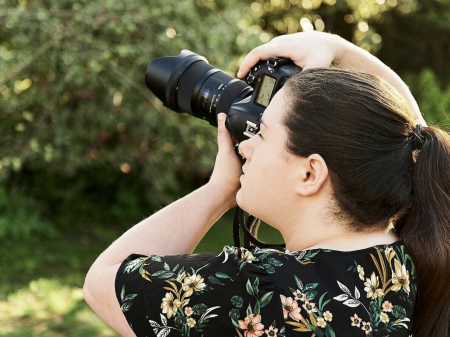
<point x="187" y="83"/>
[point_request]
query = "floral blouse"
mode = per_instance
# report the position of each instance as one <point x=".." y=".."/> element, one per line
<point x="270" y="292"/>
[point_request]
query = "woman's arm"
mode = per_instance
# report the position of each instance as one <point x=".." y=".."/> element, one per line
<point x="317" y="49"/>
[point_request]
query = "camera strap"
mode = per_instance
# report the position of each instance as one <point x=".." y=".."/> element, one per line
<point x="250" y="229"/>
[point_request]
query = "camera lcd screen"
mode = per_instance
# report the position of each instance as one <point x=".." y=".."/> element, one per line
<point x="265" y="90"/>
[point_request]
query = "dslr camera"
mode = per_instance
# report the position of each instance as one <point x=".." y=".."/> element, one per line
<point x="187" y="83"/>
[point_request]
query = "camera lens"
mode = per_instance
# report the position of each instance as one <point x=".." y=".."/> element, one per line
<point x="187" y="83"/>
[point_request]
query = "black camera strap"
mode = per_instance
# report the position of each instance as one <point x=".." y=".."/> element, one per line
<point x="250" y="229"/>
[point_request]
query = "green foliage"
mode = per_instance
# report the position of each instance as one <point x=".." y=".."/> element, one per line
<point x="20" y="217"/>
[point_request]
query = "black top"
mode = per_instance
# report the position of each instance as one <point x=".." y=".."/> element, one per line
<point x="270" y="292"/>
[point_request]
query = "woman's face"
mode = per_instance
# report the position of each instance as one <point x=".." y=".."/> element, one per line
<point x="269" y="184"/>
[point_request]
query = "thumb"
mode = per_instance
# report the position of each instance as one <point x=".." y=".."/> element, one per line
<point x="223" y="135"/>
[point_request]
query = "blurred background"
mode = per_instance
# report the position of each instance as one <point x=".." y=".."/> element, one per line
<point x="86" y="150"/>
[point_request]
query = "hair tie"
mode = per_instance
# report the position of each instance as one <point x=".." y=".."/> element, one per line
<point x="417" y="137"/>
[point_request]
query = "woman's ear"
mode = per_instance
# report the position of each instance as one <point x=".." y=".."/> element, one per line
<point x="313" y="174"/>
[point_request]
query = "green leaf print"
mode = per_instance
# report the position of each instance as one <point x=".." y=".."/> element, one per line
<point x="266" y="299"/>
<point x="249" y="287"/>
<point x="275" y="262"/>
<point x="234" y="313"/>
<point x="299" y="283"/>
<point x="214" y="280"/>
<point x="122" y="293"/>
<point x="310" y="295"/>
<point x="399" y="312"/>
<point x="130" y="297"/>
<point x="311" y="286"/>
<point x="269" y="268"/>
<point x="199" y="309"/>
<point x="249" y="310"/>
<point x="223" y="275"/>
<point x="256" y="285"/>
<point x="166" y="266"/>
<point x="237" y="301"/>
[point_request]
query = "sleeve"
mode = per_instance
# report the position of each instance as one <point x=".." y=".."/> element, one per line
<point x="198" y="294"/>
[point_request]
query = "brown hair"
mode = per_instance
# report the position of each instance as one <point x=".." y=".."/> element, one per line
<point x="362" y="126"/>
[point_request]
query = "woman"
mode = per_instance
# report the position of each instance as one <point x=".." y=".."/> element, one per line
<point x="347" y="170"/>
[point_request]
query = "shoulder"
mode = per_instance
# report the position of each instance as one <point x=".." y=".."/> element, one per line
<point x="195" y="291"/>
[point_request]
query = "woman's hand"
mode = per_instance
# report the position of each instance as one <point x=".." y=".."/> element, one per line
<point x="307" y="50"/>
<point x="228" y="167"/>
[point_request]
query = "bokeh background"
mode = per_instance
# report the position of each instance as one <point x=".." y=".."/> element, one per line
<point x="86" y="150"/>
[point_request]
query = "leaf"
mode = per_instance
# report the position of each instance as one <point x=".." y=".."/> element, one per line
<point x="166" y="266"/>
<point x="320" y="300"/>
<point x="275" y="262"/>
<point x="126" y="306"/>
<point x="342" y="297"/>
<point x="269" y="268"/>
<point x="266" y="299"/>
<point x="249" y="287"/>
<point x="300" y="326"/>
<point x="257" y="308"/>
<point x="255" y="285"/>
<point x="398" y="311"/>
<point x="352" y="303"/>
<point x="249" y="310"/>
<point x="234" y="313"/>
<point x="154" y="324"/>
<point x="311" y="286"/>
<point x="164" y="332"/>
<point x="299" y="283"/>
<point x="357" y="294"/>
<point x="214" y="280"/>
<point x="237" y="301"/>
<point x="163" y="319"/>
<point x="310" y="295"/>
<point x="122" y="293"/>
<point x="344" y="288"/>
<point x="223" y="275"/>
<point x="130" y="297"/>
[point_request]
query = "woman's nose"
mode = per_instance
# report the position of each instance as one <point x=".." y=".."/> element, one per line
<point x="244" y="149"/>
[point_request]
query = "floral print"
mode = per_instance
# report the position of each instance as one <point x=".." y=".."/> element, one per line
<point x="270" y="292"/>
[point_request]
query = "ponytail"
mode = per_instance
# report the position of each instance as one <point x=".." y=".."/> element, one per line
<point x="425" y="230"/>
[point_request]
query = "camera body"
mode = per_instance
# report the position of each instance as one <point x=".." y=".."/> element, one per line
<point x="187" y="83"/>
<point x="266" y="78"/>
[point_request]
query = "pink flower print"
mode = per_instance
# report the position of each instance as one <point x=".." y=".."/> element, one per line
<point x="309" y="307"/>
<point x="356" y="321"/>
<point x="252" y="326"/>
<point x="291" y="308"/>
<point x="298" y="295"/>
<point x="271" y="332"/>
<point x="366" y="327"/>
<point x="188" y="311"/>
<point x="387" y="306"/>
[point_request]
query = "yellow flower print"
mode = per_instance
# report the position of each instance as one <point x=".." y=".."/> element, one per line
<point x="390" y="253"/>
<point x="181" y="277"/>
<point x="247" y="256"/>
<point x="361" y="272"/>
<point x="321" y="322"/>
<point x="384" y="317"/>
<point x="328" y="316"/>
<point x="191" y="283"/>
<point x="191" y="322"/>
<point x="371" y="287"/>
<point x="170" y="305"/>
<point x="400" y="278"/>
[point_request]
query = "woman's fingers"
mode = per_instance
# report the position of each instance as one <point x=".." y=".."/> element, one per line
<point x="262" y="53"/>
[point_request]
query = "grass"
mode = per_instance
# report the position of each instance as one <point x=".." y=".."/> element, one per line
<point x="41" y="281"/>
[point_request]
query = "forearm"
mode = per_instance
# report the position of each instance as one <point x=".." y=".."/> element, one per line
<point x="361" y="60"/>
<point x="176" y="229"/>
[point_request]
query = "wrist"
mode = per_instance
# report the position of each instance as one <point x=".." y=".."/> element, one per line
<point x="225" y="198"/>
